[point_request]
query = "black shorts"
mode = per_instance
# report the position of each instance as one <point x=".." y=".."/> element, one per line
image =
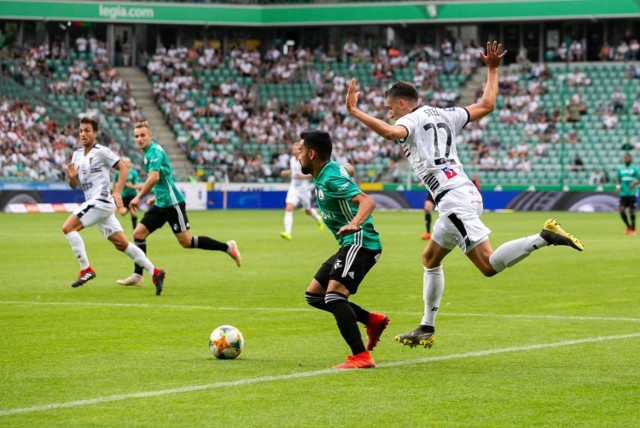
<point x="429" y="197"/>
<point x="348" y="266"/>
<point x="628" y="202"/>
<point x="175" y="215"/>
<point x="126" y="201"/>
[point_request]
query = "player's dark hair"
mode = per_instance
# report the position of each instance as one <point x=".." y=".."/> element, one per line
<point x="402" y="90"/>
<point x="92" y="121"/>
<point x="319" y="141"/>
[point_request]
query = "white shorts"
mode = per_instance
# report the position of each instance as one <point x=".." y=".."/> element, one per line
<point x="94" y="212"/>
<point x="299" y="196"/>
<point x="459" y="221"/>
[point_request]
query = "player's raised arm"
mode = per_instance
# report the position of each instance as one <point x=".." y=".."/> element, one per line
<point x="488" y="101"/>
<point x="383" y="129"/>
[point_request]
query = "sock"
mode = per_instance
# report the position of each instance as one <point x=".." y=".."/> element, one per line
<point x="432" y="289"/>
<point x="134" y="221"/>
<point x="427" y="221"/>
<point x="317" y="301"/>
<point x="143" y="247"/>
<point x="77" y="246"/>
<point x="138" y="257"/>
<point x="315" y="215"/>
<point x="206" y="243"/>
<point x="512" y="252"/>
<point x="288" y="221"/>
<point x="633" y="221"/>
<point x="624" y="218"/>
<point x="346" y="320"/>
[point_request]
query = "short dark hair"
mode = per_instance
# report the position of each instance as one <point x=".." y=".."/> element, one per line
<point x="319" y="141"/>
<point x="92" y="121"/>
<point x="402" y="90"/>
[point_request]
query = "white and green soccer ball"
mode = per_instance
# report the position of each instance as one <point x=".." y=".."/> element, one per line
<point x="226" y="342"/>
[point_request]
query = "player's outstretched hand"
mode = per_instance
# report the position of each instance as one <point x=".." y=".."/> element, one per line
<point x="494" y="55"/>
<point x="72" y="171"/>
<point x="352" y="95"/>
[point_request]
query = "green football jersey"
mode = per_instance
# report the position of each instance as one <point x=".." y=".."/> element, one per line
<point x="626" y="176"/>
<point x="165" y="190"/>
<point x="133" y="178"/>
<point x="334" y="190"/>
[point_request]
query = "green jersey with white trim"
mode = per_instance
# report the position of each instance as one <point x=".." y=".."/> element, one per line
<point x="165" y="190"/>
<point x="133" y="178"/>
<point x="334" y="190"/>
<point x="626" y="176"/>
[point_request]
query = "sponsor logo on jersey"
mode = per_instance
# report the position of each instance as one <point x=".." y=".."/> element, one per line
<point x="327" y="216"/>
<point x="448" y="172"/>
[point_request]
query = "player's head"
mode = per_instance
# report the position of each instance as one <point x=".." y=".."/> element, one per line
<point x="142" y="134"/>
<point x="295" y="148"/>
<point x="401" y="98"/>
<point x="627" y="159"/>
<point x="126" y="161"/>
<point x="88" y="130"/>
<point x="315" y="150"/>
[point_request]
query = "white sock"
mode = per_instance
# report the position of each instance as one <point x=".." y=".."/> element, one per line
<point x="139" y="258"/>
<point x="510" y="253"/>
<point x="77" y="245"/>
<point x="432" y="289"/>
<point x="315" y="215"/>
<point x="288" y="221"/>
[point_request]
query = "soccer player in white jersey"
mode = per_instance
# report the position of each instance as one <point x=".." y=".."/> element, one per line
<point x="299" y="193"/>
<point x="90" y="169"/>
<point x="427" y="136"/>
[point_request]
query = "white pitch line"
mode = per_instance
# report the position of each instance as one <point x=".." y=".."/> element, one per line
<point x="216" y="308"/>
<point x="262" y="379"/>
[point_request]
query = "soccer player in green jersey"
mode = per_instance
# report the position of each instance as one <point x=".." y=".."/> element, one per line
<point x="130" y="191"/>
<point x="346" y="211"/>
<point x="628" y="175"/>
<point x="168" y="206"/>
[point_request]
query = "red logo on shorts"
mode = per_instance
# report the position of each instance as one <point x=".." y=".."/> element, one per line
<point x="448" y="172"/>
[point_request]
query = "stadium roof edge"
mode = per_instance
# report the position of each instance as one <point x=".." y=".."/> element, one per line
<point x="409" y="12"/>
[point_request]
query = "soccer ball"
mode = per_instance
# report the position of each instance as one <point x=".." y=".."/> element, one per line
<point x="226" y="342"/>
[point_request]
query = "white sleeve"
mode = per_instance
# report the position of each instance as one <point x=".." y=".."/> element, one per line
<point x="410" y="123"/>
<point x="110" y="158"/>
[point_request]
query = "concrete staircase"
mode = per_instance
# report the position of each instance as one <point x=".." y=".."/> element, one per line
<point x="162" y="134"/>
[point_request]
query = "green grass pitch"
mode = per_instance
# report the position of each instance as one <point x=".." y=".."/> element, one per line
<point x="553" y="341"/>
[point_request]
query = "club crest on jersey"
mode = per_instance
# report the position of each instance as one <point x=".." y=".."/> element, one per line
<point x="448" y="172"/>
<point x="320" y="194"/>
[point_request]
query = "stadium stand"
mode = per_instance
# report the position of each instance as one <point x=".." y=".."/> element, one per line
<point x="237" y="113"/>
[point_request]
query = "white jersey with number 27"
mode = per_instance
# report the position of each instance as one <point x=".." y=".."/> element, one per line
<point x="430" y="146"/>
